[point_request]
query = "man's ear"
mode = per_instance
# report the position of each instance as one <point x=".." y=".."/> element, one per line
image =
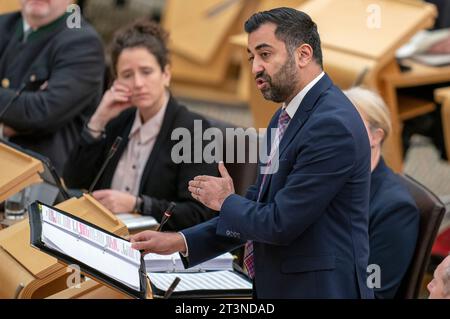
<point x="304" y="54"/>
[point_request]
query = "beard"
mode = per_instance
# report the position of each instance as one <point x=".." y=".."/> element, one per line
<point x="282" y="84"/>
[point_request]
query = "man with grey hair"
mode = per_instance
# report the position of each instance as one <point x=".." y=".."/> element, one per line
<point x="439" y="287"/>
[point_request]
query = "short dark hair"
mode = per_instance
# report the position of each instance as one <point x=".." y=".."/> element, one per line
<point x="293" y="28"/>
<point x="142" y="33"/>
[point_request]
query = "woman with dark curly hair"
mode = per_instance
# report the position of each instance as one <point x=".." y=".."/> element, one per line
<point x="142" y="177"/>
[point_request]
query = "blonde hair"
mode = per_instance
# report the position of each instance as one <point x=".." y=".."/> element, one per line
<point x="372" y="108"/>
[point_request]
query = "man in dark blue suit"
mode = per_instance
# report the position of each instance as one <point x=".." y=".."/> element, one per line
<point x="305" y="221"/>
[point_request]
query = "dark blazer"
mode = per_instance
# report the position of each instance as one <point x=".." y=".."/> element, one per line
<point x="162" y="181"/>
<point x="393" y="229"/>
<point x="310" y="230"/>
<point x="68" y="65"/>
<point x="443" y="19"/>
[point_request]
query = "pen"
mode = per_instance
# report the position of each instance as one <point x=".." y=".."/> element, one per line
<point x="167" y="214"/>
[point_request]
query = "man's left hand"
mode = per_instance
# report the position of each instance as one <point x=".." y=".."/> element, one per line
<point x="212" y="191"/>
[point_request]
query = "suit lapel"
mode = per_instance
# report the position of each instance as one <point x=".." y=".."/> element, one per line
<point x="163" y="137"/>
<point x="305" y="109"/>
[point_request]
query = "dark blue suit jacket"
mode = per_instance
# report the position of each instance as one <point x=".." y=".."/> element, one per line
<point x="393" y="229"/>
<point x="310" y="228"/>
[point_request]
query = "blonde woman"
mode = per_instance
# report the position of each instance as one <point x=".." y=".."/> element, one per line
<point x="393" y="215"/>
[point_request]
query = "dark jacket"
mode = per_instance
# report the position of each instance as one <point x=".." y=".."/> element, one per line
<point x="310" y="228"/>
<point x="162" y="181"/>
<point x="393" y="229"/>
<point x="443" y="19"/>
<point x="68" y="66"/>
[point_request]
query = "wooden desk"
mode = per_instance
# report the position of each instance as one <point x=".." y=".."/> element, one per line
<point x="442" y="96"/>
<point x="403" y="107"/>
<point x="5" y="223"/>
<point x="2" y="221"/>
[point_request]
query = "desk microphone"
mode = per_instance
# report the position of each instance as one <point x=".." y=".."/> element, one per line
<point x="172" y="287"/>
<point x="17" y="94"/>
<point x="167" y="214"/>
<point x="111" y="153"/>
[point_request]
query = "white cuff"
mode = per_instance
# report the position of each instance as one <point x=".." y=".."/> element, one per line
<point x="1" y="130"/>
<point x="185" y="255"/>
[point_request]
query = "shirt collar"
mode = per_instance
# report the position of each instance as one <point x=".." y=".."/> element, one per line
<point x="150" y="128"/>
<point x="292" y="107"/>
<point x="26" y="26"/>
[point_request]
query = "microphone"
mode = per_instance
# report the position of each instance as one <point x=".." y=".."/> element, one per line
<point x="167" y="214"/>
<point x="111" y="153"/>
<point x="172" y="287"/>
<point x="17" y="94"/>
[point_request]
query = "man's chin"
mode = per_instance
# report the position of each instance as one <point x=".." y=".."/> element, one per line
<point x="267" y="94"/>
<point x="269" y="97"/>
<point x="37" y="14"/>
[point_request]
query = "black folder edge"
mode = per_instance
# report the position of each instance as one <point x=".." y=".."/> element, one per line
<point x="35" y="241"/>
<point x="50" y="175"/>
<point x="207" y="293"/>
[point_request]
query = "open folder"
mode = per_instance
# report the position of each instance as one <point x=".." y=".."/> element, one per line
<point x="95" y="251"/>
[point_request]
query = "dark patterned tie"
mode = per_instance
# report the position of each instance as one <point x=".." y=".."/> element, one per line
<point x="283" y="122"/>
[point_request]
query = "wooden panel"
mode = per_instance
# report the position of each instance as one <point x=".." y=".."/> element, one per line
<point x="90" y="289"/>
<point x="270" y="4"/>
<point x="9" y="6"/>
<point x="419" y="74"/>
<point x="410" y="107"/>
<point x="17" y="171"/>
<point x="198" y="27"/>
<point x="16" y="241"/>
<point x="442" y="94"/>
<point x="445" y="114"/>
<point x="89" y="209"/>
<point x="15" y="274"/>
<point x="399" y="20"/>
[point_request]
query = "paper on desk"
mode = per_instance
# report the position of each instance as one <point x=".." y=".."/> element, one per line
<point x="421" y="42"/>
<point x="95" y="249"/>
<point x="214" y="280"/>
<point x="433" y="59"/>
<point x="135" y="221"/>
<point x="173" y="263"/>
